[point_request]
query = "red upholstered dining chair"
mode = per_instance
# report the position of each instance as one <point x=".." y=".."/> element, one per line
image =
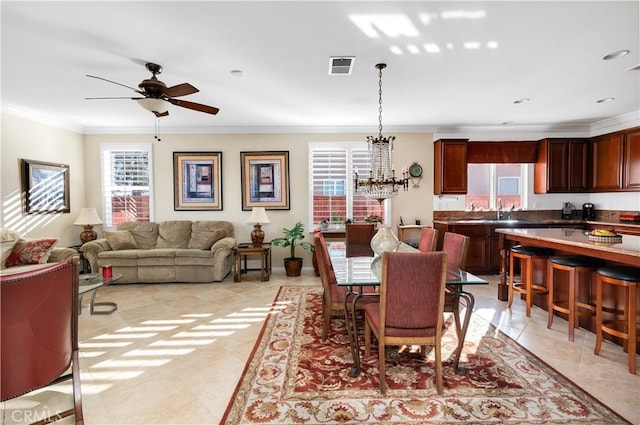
<point x="456" y="246"/>
<point x="358" y="239"/>
<point x="410" y="311"/>
<point x="40" y="332"/>
<point x="334" y="295"/>
<point x="428" y="239"/>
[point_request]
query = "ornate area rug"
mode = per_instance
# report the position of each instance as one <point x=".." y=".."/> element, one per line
<point x="292" y="377"/>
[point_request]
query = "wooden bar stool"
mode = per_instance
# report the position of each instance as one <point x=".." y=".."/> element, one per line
<point x="527" y="256"/>
<point x="573" y="307"/>
<point x="627" y="328"/>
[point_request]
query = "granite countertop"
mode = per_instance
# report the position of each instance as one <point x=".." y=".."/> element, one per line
<point x="524" y="221"/>
<point x="629" y="245"/>
<point x="515" y="220"/>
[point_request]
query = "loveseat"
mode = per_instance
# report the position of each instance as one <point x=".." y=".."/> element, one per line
<point x="168" y="251"/>
<point x="19" y="254"/>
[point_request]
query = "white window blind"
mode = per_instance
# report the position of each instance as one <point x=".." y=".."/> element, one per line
<point x="332" y="192"/>
<point x="126" y="183"/>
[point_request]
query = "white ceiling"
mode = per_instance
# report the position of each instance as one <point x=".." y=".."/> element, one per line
<point x="550" y="52"/>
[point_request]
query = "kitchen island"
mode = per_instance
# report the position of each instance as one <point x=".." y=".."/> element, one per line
<point x="565" y="241"/>
<point x="572" y="242"/>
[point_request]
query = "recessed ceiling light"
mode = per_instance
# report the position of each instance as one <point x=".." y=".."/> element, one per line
<point x="616" y="54"/>
<point x="634" y="68"/>
<point x="605" y="100"/>
<point x="523" y="100"/>
<point x="236" y="73"/>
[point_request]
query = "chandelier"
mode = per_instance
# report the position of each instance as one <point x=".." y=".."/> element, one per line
<point x="382" y="182"/>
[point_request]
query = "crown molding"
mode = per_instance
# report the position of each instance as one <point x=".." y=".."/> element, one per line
<point x="617" y="123"/>
<point x="497" y="132"/>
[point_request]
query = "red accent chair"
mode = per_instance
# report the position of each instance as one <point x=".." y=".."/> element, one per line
<point x="411" y="307"/>
<point x="40" y="332"/>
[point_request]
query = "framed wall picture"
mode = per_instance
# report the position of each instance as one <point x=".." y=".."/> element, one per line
<point x="45" y="187"/>
<point x="265" y="180"/>
<point x="197" y="178"/>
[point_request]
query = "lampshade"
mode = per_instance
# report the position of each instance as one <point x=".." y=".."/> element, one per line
<point x="88" y="216"/>
<point x="258" y="215"/>
<point x="153" y="105"/>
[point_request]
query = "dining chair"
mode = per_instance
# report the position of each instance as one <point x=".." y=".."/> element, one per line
<point x="428" y="239"/>
<point x="333" y="297"/>
<point x="456" y="246"/>
<point x="358" y="239"/>
<point x="39" y="333"/>
<point x="410" y="311"/>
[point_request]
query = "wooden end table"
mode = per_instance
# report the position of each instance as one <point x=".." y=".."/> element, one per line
<point x="245" y="250"/>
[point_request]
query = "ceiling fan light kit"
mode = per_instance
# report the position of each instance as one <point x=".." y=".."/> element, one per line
<point x="157" y="106"/>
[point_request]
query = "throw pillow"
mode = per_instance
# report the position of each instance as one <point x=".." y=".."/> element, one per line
<point x="120" y="239"/>
<point x="8" y="240"/>
<point x="31" y="251"/>
<point x="204" y="240"/>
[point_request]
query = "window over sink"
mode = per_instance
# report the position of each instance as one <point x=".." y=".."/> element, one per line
<point x="489" y="183"/>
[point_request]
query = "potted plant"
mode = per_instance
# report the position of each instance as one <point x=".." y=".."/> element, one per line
<point x="324" y="224"/>
<point x="292" y="238"/>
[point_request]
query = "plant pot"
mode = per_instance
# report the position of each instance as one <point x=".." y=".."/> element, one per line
<point x="293" y="266"/>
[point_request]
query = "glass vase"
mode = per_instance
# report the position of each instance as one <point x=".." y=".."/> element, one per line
<point x="384" y="240"/>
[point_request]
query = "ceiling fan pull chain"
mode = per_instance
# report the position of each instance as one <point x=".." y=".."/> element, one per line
<point x="157" y="130"/>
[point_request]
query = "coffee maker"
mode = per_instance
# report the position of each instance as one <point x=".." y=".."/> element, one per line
<point x="588" y="211"/>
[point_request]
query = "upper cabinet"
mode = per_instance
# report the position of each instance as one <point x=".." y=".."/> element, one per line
<point x="561" y="166"/>
<point x="631" y="167"/>
<point x="450" y="166"/>
<point x="607" y="162"/>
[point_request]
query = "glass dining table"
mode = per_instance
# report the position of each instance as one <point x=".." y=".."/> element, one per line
<point x="357" y="273"/>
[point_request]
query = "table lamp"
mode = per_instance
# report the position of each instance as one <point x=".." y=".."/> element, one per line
<point x="258" y="215"/>
<point x="88" y="218"/>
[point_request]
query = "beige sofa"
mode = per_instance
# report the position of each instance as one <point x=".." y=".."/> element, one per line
<point x="8" y="241"/>
<point x="168" y="251"/>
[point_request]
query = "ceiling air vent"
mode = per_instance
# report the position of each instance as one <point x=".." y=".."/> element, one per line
<point x="341" y="65"/>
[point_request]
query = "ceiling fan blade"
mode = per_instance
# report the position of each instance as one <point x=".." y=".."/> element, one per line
<point x="113" y="82"/>
<point x="101" y="98"/>
<point x="195" y="106"/>
<point x="180" y="90"/>
<point x="161" y="114"/>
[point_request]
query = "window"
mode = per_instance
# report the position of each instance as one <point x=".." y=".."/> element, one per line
<point x="126" y="183"/>
<point x="331" y="167"/>
<point x="488" y="183"/>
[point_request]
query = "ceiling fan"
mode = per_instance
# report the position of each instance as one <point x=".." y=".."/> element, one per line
<point x="155" y="94"/>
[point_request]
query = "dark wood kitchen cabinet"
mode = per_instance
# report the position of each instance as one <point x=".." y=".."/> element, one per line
<point x="450" y="167"/>
<point x="631" y="167"/>
<point x="607" y="162"/>
<point x="561" y="166"/>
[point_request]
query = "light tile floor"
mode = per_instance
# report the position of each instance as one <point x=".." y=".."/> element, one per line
<point x="173" y="353"/>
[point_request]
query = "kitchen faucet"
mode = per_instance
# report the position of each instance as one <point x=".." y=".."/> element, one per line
<point x="498" y="209"/>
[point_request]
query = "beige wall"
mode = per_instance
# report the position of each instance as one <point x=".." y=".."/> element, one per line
<point x="26" y="139"/>
<point x="416" y="203"/>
